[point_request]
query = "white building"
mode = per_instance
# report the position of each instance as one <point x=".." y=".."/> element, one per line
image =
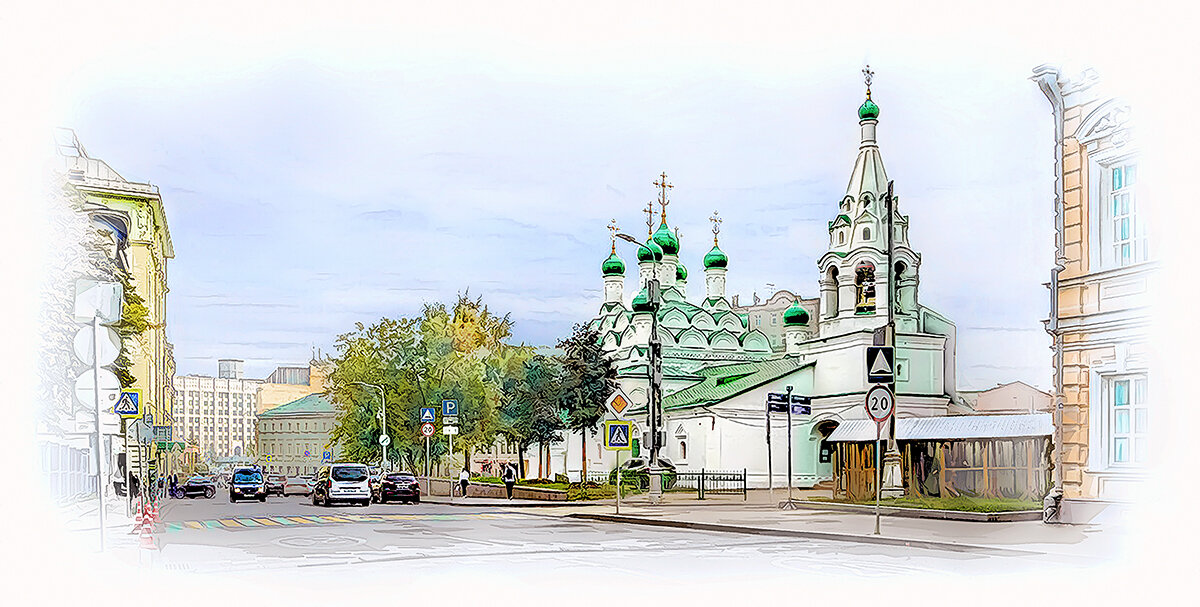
<point x="718" y="369"/>
<point x="217" y="412"/>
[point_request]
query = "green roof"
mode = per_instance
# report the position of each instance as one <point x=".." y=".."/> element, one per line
<point x="313" y="403"/>
<point x="726" y="381"/>
<point x="868" y="110"/>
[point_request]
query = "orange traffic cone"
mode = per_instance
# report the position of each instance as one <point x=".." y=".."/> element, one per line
<point x="138" y="516"/>
<point x="147" y="539"/>
<point x="154" y="514"/>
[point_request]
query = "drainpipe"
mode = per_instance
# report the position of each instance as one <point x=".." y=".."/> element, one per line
<point x="1047" y="78"/>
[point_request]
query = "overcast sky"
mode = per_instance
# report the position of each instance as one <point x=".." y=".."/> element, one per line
<point x="333" y="174"/>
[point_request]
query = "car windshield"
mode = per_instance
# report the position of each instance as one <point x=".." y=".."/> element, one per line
<point x="247" y="477"/>
<point x="276" y="478"/>
<point x="400" y="477"/>
<point x="349" y="473"/>
<point x="197" y="479"/>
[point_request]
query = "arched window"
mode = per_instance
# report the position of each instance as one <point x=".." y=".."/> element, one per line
<point x="864" y="288"/>
<point x="866" y="233"/>
<point x="831" y="308"/>
<point x="841" y="237"/>
<point x="683" y="451"/>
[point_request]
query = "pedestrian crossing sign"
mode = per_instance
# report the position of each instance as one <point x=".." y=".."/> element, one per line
<point x="128" y="404"/>
<point x="617" y="435"/>
<point x="427" y="415"/>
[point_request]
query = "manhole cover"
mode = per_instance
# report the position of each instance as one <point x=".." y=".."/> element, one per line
<point x="319" y="541"/>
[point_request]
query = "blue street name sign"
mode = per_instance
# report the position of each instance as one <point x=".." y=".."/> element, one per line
<point x="618" y="435"/>
<point x="449" y="407"/>
<point x="428" y="415"/>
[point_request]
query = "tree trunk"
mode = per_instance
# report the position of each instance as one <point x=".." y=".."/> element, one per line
<point x="521" y="459"/>
<point x="541" y="449"/>
<point x="583" y="474"/>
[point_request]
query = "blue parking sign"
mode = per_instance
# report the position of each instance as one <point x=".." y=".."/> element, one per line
<point x="449" y="407"/>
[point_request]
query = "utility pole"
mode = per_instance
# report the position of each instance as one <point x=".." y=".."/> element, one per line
<point x="655" y="392"/>
<point x="384" y="439"/>
<point x="889" y="472"/>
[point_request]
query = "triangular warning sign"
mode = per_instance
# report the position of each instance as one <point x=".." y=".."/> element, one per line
<point x="880" y="366"/>
<point x="426" y="415"/>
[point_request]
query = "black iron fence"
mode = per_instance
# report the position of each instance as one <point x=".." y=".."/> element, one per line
<point x="711" y="482"/>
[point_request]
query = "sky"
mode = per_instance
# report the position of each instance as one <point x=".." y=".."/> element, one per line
<point x="316" y="177"/>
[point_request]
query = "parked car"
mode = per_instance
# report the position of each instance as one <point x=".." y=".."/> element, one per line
<point x="297" y="485"/>
<point x="275" y="483"/>
<point x="196" y="486"/>
<point x="342" y="483"/>
<point x="397" y="486"/>
<point x="247" y="483"/>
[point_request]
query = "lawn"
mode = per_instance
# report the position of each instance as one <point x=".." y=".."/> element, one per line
<point x="959" y="503"/>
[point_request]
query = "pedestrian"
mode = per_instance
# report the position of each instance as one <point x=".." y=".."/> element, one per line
<point x="134" y="488"/>
<point x="464" y="479"/>
<point x="510" y="479"/>
<point x="174" y="484"/>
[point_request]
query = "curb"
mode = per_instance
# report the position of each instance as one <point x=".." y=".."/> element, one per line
<point x="507" y="504"/>
<point x="945" y="515"/>
<point x="817" y="535"/>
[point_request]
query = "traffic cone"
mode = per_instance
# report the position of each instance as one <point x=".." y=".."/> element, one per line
<point x="146" y="539"/>
<point x="138" y="516"/>
<point x="154" y="514"/>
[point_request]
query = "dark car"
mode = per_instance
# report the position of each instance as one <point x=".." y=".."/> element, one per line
<point x="275" y="483"/>
<point x="197" y="486"/>
<point x="397" y="486"/>
<point x="247" y="483"/>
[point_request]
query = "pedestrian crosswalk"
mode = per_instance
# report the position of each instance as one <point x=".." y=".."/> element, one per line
<point x="245" y="522"/>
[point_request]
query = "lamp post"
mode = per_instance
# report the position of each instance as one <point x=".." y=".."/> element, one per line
<point x="384" y="439"/>
<point x="654" y="400"/>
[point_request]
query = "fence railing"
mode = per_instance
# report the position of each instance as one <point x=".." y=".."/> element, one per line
<point x="704" y="482"/>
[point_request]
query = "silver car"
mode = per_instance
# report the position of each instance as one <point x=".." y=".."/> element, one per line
<point x="297" y="485"/>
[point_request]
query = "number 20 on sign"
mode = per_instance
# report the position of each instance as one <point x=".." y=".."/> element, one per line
<point x="880" y="403"/>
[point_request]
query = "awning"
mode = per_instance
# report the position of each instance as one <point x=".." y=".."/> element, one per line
<point x="949" y="427"/>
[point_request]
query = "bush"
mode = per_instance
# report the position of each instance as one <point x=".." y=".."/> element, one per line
<point x="641" y="479"/>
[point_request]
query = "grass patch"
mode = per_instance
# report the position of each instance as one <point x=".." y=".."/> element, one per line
<point x="959" y="503"/>
<point x="596" y="491"/>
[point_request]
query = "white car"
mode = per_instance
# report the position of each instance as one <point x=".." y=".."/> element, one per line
<point x="297" y="485"/>
<point x="342" y="483"/>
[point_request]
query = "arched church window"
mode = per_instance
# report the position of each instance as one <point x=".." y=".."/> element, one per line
<point x="866" y="233"/>
<point x="864" y="288"/>
<point x="841" y="237"/>
<point x="682" y="451"/>
<point x="832" y="275"/>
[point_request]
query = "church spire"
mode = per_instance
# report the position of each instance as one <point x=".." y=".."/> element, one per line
<point x="868" y="175"/>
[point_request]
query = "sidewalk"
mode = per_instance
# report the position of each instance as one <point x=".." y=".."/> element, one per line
<point x="759" y="515"/>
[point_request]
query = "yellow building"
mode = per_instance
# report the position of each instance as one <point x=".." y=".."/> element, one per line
<point x="134" y="213"/>
<point x="291" y="383"/>
<point x="1100" y="302"/>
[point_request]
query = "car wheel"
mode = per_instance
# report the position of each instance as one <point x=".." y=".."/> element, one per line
<point x="232" y="499"/>
<point x="314" y="499"/>
<point x="416" y="500"/>
<point x="382" y="499"/>
<point x="262" y="499"/>
<point x="210" y="493"/>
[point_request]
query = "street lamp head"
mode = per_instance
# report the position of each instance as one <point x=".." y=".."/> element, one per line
<point x="629" y="238"/>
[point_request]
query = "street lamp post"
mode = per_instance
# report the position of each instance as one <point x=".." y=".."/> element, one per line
<point x="654" y="400"/>
<point x="384" y="439"/>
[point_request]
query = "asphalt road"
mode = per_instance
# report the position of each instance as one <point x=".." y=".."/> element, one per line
<point x="296" y="541"/>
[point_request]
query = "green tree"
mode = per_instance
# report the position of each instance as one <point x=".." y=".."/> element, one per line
<point x="588" y="378"/>
<point x="532" y="409"/>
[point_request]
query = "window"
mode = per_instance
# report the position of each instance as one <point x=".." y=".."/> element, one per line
<point x="864" y="288"/>
<point x="1128" y="237"/>
<point x="1128" y="420"/>
<point x="682" y="451"/>
<point x="841" y="237"/>
<point x="866" y="233"/>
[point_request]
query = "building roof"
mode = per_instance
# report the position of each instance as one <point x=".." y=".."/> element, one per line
<point x="311" y="404"/>
<point x="726" y="381"/>
<point x="950" y="427"/>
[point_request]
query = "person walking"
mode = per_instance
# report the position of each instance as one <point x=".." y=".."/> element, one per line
<point x="510" y="479"/>
<point x="464" y="479"/>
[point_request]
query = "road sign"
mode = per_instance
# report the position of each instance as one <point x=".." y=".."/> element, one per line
<point x="427" y="429"/>
<point x="148" y="418"/>
<point x="307" y="454"/>
<point x="142" y="432"/>
<point x="450" y="430"/>
<point x="129" y="404"/>
<point x="881" y="366"/>
<point x="327" y="456"/>
<point x="162" y="433"/>
<point x="428" y="415"/>
<point x="449" y="407"/>
<point x="97" y="299"/>
<point x="110" y="345"/>
<point x="110" y="389"/>
<point x="798" y="409"/>
<point x="449" y="420"/>
<point x="880" y="403"/>
<point x="617" y="402"/>
<point x="617" y="435"/>
<point x="384" y="440"/>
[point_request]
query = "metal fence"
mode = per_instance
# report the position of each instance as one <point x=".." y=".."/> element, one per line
<point x="711" y="482"/>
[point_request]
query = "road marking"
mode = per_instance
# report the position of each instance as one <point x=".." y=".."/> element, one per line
<point x="265" y="521"/>
<point x="228" y="522"/>
<point x="249" y="522"/>
<point x="327" y="519"/>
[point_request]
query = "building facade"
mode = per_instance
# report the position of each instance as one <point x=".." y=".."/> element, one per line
<point x="767" y="316"/>
<point x="290" y="383"/>
<point x="1013" y="398"/>
<point x="1099" y="299"/>
<point x="134" y="214"/>
<point x="293" y="438"/>
<point x="217" y="414"/>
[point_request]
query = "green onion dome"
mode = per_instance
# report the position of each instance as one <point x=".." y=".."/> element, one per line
<point x="680" y="272"/>
<point x="715" y="259"/>
<point x="795" y="316"/>
<point x="649" y="252"/>
<point x="641" y="303"/>
<point x="665" y="239"/>
<point x="868" y="110"/>
<point x="613" y="266"/>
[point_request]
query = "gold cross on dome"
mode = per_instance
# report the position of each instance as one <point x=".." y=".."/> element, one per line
<point x="716" y="221"/>
<point x="663" y="186"/>
<point x="649" y="211"/>
<point x="867" y="75"/>
<point x="612" y="230"/>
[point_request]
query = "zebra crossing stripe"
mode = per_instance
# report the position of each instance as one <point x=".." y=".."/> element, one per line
<point x="194" y="524"/>
<point x="265" y="521"/>
<point x="212" y="524"/>
<point x="283" y="520"/>
<point x="248" y="522"/>
<point x="228" y="522"/>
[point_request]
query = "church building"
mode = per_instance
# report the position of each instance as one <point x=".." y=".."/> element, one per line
<point x="718" y="367"/>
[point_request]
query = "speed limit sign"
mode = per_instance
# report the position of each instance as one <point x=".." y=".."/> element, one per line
<point x="880" y="403"/>
<point x="427" y="429"/>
